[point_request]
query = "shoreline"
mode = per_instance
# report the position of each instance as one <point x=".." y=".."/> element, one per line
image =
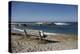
<point x="15" y="30"/>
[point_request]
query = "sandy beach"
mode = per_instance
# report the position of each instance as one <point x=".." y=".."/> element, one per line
<point x="51" y="43"/>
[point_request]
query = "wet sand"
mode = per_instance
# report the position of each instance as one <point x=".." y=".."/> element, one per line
<point x="51" y="43"/>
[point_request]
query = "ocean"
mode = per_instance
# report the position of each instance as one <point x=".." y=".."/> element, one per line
<point x="64" y="28"/>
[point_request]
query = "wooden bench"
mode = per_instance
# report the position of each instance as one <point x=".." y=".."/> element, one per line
<point x="27" y="32"/>
<point x="39" y="33"/>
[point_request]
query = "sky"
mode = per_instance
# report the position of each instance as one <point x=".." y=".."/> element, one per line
<point x="30" y="12"/>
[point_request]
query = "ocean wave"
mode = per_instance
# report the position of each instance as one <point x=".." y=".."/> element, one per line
<point x="61" y="23"/>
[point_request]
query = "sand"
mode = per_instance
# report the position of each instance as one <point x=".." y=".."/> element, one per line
<point x="51" y="43"/>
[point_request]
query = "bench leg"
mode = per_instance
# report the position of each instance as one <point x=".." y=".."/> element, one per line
<point x="25" y="33"/>
<point x="40" y="36"/>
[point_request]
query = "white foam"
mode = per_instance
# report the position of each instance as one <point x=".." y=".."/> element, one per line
<point x="61" y="23"/>
<point x="47" y="33"/>
<point x="18" y="29"/>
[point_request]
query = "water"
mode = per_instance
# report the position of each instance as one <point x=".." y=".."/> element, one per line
<point x="70" y="28"/>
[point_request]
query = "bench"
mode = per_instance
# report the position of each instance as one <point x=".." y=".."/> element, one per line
<point x="39" y="33"/>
